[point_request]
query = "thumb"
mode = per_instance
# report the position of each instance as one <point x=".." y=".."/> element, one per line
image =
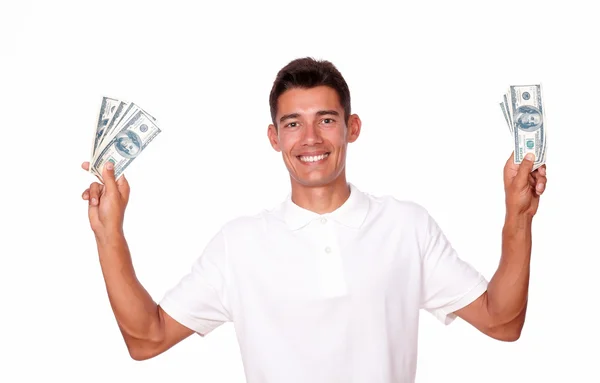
<point x="108" y="176"/>
<point x="525" y="169"/>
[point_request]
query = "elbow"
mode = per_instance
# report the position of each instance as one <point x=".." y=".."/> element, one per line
<point x="139" y="354"/>
<point x="136" y="352"/>
<point x="509" y="332"/>
<point x="509" y="336"/>
<point x="140" y="349"/>
<point x="144" y="345"/>
<point x="507" y="328"/>
<point x="139" y="357"/>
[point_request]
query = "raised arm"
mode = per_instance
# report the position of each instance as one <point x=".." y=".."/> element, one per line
<point x="500" y="312"/>
<point x="146" y="328"/>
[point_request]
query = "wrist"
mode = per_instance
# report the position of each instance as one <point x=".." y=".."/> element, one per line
<point x="109" y="238"/>
<point x="517" y="221"/>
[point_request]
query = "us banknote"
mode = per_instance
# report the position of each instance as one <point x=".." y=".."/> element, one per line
<point x="124" y="130"/>
<point x="523" y="110"/>
<point x="107" y="111"/>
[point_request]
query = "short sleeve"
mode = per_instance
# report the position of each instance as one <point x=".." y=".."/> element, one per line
<point x="449" y="283"/>
<point x="199" y="300"/>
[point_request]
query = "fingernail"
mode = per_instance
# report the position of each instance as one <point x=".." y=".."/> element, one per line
<point x="109" y="166"/>
<point x="93" y="201"/>
<point x="540" y="187"/>
<point x="529" y="157"/>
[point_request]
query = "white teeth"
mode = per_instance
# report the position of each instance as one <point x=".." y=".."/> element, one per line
<point x="313" y="158"/>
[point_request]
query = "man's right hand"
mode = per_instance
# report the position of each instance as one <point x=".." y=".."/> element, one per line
<point x="107" y="202"/>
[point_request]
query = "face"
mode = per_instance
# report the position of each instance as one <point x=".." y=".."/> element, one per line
<point x="312" y="135"/>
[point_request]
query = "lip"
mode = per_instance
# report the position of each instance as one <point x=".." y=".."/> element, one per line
<point x="314" y="162"/>
<point x="313" y="153"/>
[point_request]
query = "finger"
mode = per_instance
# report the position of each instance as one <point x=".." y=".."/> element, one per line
<point x="532" y="181"/>
<point x="539" y="189"/>
<point x="525" y="169"/>
<point x="108" y="176"/>
<point x="542" y="170"/>
<point x="123" y="186"/>
<point x="539" y="174"/>
<point x="540" y="184"/>
<point x="94" y="194"/>
<point x="86" y="194"/>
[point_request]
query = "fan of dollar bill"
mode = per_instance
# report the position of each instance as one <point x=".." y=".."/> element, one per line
<point x="523" y="109"/>
<point x="124" y="130"/>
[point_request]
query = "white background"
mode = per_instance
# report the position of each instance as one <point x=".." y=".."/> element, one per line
<point x="426" y="79"/>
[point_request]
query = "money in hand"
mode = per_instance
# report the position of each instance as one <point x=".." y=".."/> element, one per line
<point x="523" y="111"/>
<point x="123" y="131"/>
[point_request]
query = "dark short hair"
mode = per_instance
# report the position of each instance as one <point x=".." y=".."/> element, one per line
<point x="309" y="73"/>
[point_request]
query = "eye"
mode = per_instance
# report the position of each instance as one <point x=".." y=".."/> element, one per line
<point x="328" y="120"/>
<point x="291" y="125"/>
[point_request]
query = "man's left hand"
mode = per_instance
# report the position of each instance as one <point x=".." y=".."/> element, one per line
<point x="523" y="187"/>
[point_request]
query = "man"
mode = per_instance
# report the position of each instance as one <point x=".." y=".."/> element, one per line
<point x="328" y="285"/>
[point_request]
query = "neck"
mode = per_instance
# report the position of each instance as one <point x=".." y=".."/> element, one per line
<point x="321" y="199"/>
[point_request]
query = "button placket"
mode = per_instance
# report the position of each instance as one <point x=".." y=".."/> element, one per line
<point x="328" y="235"/>
<point x="330" y="261"/>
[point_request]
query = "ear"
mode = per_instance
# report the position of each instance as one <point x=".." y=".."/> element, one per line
<point x="354" y="125"/>
<point x="273" y="137"/>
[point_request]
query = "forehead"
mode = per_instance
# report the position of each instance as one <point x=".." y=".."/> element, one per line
<point x="311" y="100"/>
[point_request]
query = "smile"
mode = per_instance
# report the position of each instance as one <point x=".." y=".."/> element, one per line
<point x="313" y="158"/>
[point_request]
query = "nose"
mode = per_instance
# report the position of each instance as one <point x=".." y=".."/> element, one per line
<point x="311" y="135"/>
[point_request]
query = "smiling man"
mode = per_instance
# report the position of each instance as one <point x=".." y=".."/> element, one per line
<point x="312" y="127"/>
<point x="327" y="285"/>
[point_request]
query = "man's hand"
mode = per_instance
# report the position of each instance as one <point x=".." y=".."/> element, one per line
<point x="523" y="187"/>
<point x="107" y="202"/>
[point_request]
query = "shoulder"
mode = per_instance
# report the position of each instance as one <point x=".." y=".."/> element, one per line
<point x="243" y="223"/>
<point x="250" y="226"/>
<point x="399" y="210"/>
<point x="400" y="218"/>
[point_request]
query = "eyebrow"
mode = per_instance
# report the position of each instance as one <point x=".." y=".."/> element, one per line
<point x="289" y="116"/>
<point x="319" y="113"/>
<point x="324" y="112"/>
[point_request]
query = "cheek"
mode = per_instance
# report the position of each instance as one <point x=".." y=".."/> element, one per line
<point x="336" y="140"/>
<point x="286" y="145"/>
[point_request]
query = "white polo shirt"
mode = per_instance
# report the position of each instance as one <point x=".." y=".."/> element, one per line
<point x="326" y="298"/>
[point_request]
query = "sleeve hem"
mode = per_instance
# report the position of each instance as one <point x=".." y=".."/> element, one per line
<point x="200" y="326"/>
<point x="446" y="314"/>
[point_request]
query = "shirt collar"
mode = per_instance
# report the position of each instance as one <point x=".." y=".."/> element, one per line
<point x="352" y="213"/>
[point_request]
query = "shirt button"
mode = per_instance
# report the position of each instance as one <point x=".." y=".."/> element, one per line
<point x="323" y="220"/>
<point x="328" y="249"/>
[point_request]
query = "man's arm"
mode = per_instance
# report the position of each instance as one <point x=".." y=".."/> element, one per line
<point x="147" y="330"/>
<point x="500" y="311"/>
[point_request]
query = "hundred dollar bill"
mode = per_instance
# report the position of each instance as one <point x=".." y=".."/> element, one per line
<point x="113" y="125"/>
<point x="508" y="111"/>
<point x="506" y="117"/>
<point x="131" y="109"/>
<point x="107" y="111"/>
<point x="123" y="114"/>
<point x="136" y="133"/>
<point x="527" y="114"/>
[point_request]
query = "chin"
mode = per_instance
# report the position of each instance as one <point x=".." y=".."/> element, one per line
<point x="313" y="183"/>
<point x="315" y="180"/>
<point x="317" y="173"/>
